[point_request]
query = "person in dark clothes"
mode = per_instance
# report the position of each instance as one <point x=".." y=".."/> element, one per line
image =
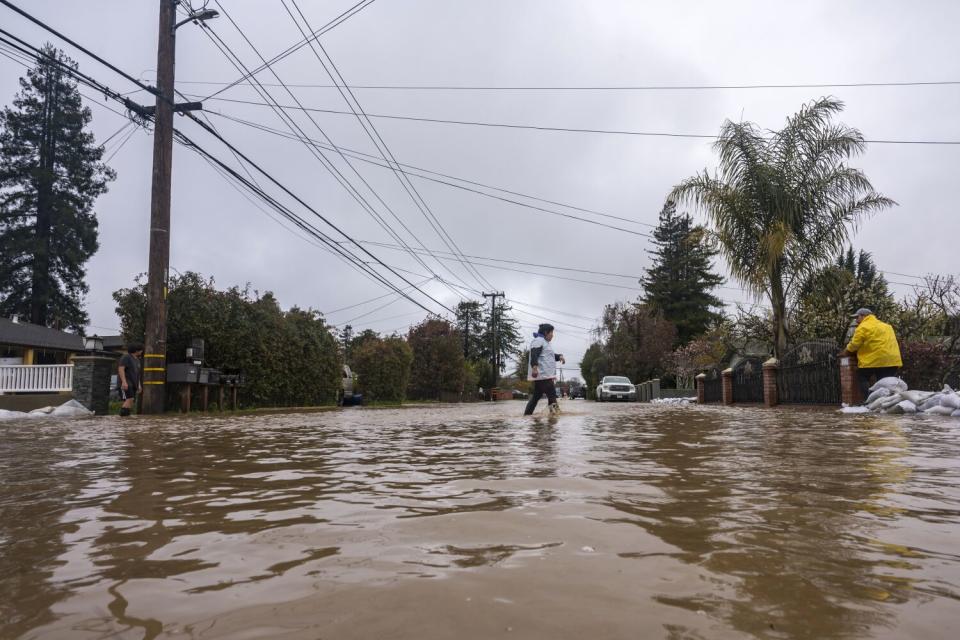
<point x="128" y="377"/>
<point x="542" y="369"/>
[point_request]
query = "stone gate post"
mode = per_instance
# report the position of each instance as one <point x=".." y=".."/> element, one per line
<point x="727" y="386"/>
<point x="849" y="389"/>
<point x="91" y="382"/>
<point x="770" y="368"/>
<point x="701" y="392"/>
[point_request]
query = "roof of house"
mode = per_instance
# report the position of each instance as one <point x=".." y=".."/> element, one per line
<point x="23" y="334"/>
<point x="113" y="342"/>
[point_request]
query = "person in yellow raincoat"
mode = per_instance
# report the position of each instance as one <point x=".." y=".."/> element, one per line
<point x="878" y="353"/>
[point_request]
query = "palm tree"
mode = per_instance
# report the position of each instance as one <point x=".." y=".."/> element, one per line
<point x="783" y="203"/>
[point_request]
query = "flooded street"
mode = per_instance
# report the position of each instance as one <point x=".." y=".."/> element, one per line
<point x="629" y="521"/>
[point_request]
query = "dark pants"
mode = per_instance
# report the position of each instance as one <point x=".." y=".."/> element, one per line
<point x="541" y="388"/>
<point x="864" y="377"/>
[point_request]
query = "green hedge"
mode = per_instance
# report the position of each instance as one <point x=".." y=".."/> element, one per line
<point x="289" y="358"/>
<point x="382" y="366"/>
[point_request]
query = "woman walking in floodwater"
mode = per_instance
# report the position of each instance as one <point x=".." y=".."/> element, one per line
<point x="542" y="369"/>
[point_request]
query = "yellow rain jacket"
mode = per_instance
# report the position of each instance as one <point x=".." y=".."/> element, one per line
<point x="875" y="344"/>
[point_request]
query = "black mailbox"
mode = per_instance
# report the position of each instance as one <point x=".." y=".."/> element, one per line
<point x="183" y="372"/>
<point x="209" y="376"/>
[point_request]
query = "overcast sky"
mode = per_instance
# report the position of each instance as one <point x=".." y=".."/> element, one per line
<point x="217" y="232"/>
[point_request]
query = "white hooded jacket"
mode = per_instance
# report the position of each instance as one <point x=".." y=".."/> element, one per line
<point x="546" y="363"/>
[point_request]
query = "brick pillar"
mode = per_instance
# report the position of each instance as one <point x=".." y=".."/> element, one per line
<point x="701" y="393"/>
<point x="91" y="382"/>
<point x="727" y="378"/>
<point x="770" y="368"/>
<point x="849" y="389"/>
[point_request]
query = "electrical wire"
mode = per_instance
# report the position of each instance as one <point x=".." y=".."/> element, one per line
<point x="340" y="19"/>
<point x="121" y="145"/>
<point x="379" y="142"/>
<point x="297" y="130"/>
<point x="369" y="159"/>
<point x="413" y="169"/>
<point x="360" y="304"/>
<point x="107" y="92"/>
<point x="532" y="127"/>
<point x="603" y="88"/>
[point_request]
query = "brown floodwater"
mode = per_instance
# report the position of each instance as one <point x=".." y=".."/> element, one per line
<point x="629" y="521"/>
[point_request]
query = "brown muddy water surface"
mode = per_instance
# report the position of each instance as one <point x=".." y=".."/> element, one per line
<point x="631" y="521"/>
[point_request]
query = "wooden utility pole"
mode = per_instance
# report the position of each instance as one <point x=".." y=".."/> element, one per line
<point x="155" y="351"/>
<point x="494" y="354"/>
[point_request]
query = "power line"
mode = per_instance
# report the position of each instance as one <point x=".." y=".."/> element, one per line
<point x="649" y="87"/>
<point x="360" y="304"/>
<point x="107" y="92"/>
<point x="121" y="145"/>
<point x="343" y="17"/>
<point x="364" y="157"/>
<point x="367" y="313"/>
<point x="234" y="59"/>
<point x="378" y="141"/>
<point x="532" y="127"/>
<point x="38" y="54"/>
<point x="517" y="262"/>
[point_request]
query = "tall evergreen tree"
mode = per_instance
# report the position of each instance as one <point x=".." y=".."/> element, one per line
<point x="471" y="327"/>
<point x="830" y="295"/>
<point x="680" y="282"/>
<point x="475" y="326"/>
<point x="508" y="336"/>
<point x="50" y="176"/>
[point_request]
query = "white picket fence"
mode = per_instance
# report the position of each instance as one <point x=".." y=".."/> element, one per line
<point x="47" y="378"/>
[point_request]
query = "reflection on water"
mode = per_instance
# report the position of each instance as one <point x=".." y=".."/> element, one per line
<point x="635" y="520"/>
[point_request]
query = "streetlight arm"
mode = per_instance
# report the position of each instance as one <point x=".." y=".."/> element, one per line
<point x="200" y="16"/>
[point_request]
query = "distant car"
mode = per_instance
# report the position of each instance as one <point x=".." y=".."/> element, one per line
<point x="616" y="388"/>
<point x="579" y="392"/>
<point x="519" y="395"/>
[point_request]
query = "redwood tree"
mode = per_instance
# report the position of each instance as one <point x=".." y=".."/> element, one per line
<point x="50" y="176"/>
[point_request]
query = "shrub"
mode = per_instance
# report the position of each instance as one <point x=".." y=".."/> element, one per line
<point x="438" y="363"/>
<point x="382" y="366"/>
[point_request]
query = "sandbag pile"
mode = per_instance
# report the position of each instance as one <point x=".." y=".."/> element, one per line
<point x="675" y="401"/>
<point x="891" y="395"/>
<point x="69" y="409"/>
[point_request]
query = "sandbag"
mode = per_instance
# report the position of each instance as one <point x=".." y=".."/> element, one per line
<point x="904" y="406"/>
<point x="6" y="414"/>
<point x="915" y="395"/>
<point x="42" y="411"/>
<point x="882" y="392"/>
<point x="939" y="411"/>
<point x="892" y="382"/>
<point x="951" y="400"/>
<point x="932" y="401"/>
<point x="857" y="409"/>
<point x="956" y="414"/>
<point x="71" y="408"/>
<point x="891" y="401"/>
<point x="877" y="404"/>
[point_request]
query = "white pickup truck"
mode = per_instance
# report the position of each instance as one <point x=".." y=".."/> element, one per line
<point x="616" y="388"/>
